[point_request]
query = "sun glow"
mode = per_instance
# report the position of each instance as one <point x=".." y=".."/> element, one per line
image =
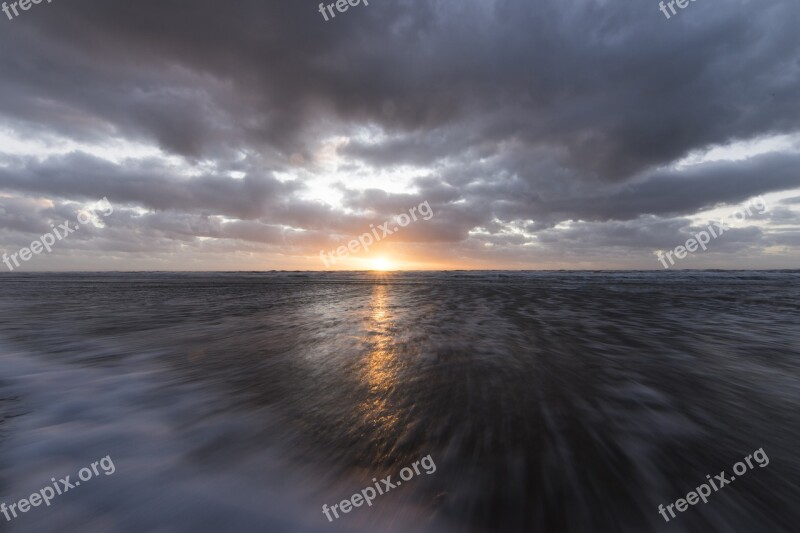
<point x="381" y="264"/>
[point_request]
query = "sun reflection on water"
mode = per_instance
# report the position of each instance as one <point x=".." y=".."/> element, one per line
<point x="381" y="366"/>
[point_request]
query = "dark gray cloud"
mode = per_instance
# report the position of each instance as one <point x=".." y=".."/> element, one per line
<point x="615" y="85"/>
<point x="517" y="114"/>
<point x="146" y="183"/>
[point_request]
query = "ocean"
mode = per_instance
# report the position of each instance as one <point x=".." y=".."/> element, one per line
<point x="548" y="401"/>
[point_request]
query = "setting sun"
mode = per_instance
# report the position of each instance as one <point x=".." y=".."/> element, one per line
<point x="381" y="264"/>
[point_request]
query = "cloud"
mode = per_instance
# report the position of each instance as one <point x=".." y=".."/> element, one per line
<point x="145" y="183"/>
<point x="513" y="120"/>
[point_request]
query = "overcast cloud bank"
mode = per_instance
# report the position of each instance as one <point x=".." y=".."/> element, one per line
<point x="557" y="135"/>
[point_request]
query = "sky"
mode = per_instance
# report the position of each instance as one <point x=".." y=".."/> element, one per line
<point x="254" y="134"/>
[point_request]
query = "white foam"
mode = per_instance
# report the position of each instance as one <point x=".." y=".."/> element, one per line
<point x="164" y="441"/>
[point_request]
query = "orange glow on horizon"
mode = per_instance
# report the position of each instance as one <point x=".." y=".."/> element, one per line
<point x="382" y="264"/>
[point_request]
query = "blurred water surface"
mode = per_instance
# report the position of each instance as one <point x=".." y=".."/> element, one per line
<point x="549" y="401"/>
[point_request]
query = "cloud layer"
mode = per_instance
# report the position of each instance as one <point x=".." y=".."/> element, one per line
<point x="578" y="134"/>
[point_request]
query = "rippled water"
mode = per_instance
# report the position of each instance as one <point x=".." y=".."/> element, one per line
<point x="549" y="401"/>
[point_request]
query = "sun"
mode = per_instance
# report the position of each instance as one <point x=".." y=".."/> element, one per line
<point x="381" y="264"/>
